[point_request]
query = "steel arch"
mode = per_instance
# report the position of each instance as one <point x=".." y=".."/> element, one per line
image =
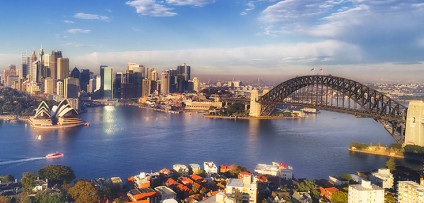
<point x="374" y="104"/>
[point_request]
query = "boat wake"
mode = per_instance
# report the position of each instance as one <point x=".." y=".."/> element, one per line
<point x="20" y="160"/>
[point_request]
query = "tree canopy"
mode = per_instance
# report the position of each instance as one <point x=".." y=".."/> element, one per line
<point x="57" y="174"/>
<point x="391" y="164"/>
<point x="84" y="192"/>
<point x="8" y="178"/>
<point x="28" y="183"/>
<point x="47" y="197"/>
<point x="339" y="197"/>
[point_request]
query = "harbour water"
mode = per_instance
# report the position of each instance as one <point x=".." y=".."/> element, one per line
<point x="125" y="140"/>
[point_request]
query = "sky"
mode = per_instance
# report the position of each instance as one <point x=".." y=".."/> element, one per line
<point x="378" y="40"/>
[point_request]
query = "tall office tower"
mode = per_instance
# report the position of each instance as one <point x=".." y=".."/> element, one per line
<point x="24" y="70"/>
<point x="59" y="86"/>
<point x="119" y="79"/>
<point x="106" y="81"/>
<point x="49" y="84"/>
<point x="147" y="87"/>
<point x="46" y="64"/>
<point x="56" y="54"/>
<point x="164" y="81"/>
<point x="98" y="83"/>
<point x="137" y="68"/>
<point x="6" y="74"/>
<point x="36" y="71"/>
<point x="75" y="73"/>
<point x="71" y="87"/>
<point x="62" y="68"/>
<point x="32" y="59"/>
<point x="91" y="85"/>
<point x="84" y="79"/>
<point x="173" y="82"/>
<point x="184" y="70"/>
<point x="149" y="73"/>
<point x="196" y="84"/>
<point x="154" y="76"/>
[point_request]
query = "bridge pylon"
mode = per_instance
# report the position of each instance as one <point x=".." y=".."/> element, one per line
<point x="255" y="106"/>
<point x="414" y="132"/>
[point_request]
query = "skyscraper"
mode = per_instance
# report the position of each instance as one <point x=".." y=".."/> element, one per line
<point x="154" y="76"/>
<point x="149" y="73"/>
<point x="24" y="69"/>
<point x="49" y="86"/>
<point x="71" y="87"/>
<point x="184" y="70"/>
<point x="164" y="81"/>
<point x="62" y="68"/>
<point x="147" y="87"/>
<point x="196" y="84"/>
<point x="56" y="54"/>
<point x="106" y="81"/>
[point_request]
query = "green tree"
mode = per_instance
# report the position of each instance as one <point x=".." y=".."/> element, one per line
<point x="346" y="177"/>
<point x="47" y="197"/>
<point x="84" y="192"/>
<point x="339" y="197"/>
<point x="235" y="108"/>
<point x="57" y="174"/>
<point x="307" y="186"/>
<point x="28" y="183"/>
<point x="389" y="198"/>
<point x="391" y="164"/>
<point x="5" y="199"/>
<point x="8" y="178"/>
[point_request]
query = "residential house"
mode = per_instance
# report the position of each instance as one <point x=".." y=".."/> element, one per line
<point x="181" y="169"/>
<point x="210" y="168"/>
<point x="40" y="186"/>
<point x="301" y="197"/>
<point x="165" y="193"/>
<point x="245" y="189"/>
<point x="144" y="194"/>
<point x="195" y="168"/>
<point x="328" y="192"/>
<point x="276" y="169"/>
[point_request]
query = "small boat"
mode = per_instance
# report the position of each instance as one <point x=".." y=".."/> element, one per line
<point x="39" y="137"/>
<point x="54" y="155"/>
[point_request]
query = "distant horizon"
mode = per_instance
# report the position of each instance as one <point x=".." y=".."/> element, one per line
<point x="362" y="40"/>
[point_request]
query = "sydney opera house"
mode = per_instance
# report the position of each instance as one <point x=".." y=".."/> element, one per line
<point x="62" y="115"/>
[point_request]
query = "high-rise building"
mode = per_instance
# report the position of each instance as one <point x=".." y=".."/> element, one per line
<point x="91" y="85"/>
<point x="147" y="87"/>
<point x="239" y="190"/>
<point x="56" y="54"/>
<point x="154" y="76"/>
<point x="98" y="83"/>
<point x="59" y="91"/>
<point x="365" y="192"/>
<point x="49" y="85"/>
<point x="409" y="191"/>
<point x="184" y="70"/>
<point x="119" y="79"/>
<point x="106" y="81"/>
<point x="75" y="73"/>
<point x="32" y="69"/>
<point x="71" y="87"/>
<point x="62" y="68"/>
<point x="149" y="73"/>
<point x="196" y="84"/>
<point x="137" y="68"/>
<point x="84" y="79"/>
<point x="25" y="65"/>
<point x="36" y="71"/>
<point x="164" y="83"/>
<point x="47" y="70"/>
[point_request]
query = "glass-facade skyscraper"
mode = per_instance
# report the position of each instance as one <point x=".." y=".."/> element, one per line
<point x="106" y="81"/>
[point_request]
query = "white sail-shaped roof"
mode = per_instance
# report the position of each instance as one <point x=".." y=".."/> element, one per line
<point x="43" y="108"/>
<point x="63" y="108"/>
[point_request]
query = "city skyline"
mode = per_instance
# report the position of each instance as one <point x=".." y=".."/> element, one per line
<point x="381" y="40"/>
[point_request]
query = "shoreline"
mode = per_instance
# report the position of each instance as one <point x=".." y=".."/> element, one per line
<point x="247" y="118"/>
<point x="378" y="153"/>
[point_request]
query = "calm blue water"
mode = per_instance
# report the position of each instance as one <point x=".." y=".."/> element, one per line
<point x="125" y="140"/>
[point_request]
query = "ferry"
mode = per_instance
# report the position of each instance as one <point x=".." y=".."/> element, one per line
<point x="54" y="155"/>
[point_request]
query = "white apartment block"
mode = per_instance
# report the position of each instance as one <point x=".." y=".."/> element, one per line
<point x="276" y="169"/>
<point x="410" y="192"/>
<point x="181" y="169"/>
<point x="382" y="178"/>
<point x="239" y="190"/>
<point x="365" y="192"/>
<point x="210" y="168"/>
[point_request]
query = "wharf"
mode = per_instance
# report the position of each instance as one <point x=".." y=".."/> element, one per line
<point x="380" y="153"/>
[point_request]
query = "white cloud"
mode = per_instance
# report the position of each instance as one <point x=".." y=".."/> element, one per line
<point x="255" y="58"/>
<point x="151" y="8"/>
<point x="190" y="2"/>
<point x="384" y="30"/>
<point x="69" y="21"/>
<point x="87" y="16"/>
<point x="250" y="6"/>
<point x="75" y="44"/>
<point x="77" y="30"/>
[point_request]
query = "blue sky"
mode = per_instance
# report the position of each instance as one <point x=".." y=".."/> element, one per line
<point x="373" y="39"/>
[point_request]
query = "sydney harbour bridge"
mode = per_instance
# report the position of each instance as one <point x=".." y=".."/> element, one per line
<point x="327" y="92"/>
